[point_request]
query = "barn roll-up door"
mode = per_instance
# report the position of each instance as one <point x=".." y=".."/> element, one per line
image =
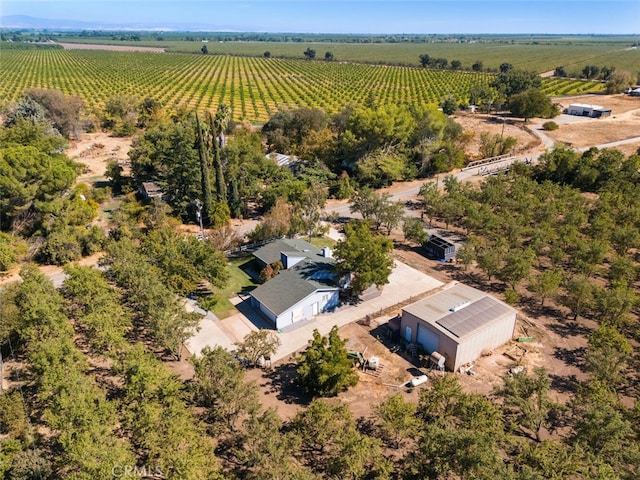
<point x="428" y="339"/>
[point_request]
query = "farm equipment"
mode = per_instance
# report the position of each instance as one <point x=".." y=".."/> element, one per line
<point x="358" y="358"/>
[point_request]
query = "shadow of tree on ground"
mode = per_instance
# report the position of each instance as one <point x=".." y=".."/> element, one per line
<point x="575" y="357"/>
<point x="283" y="383"/>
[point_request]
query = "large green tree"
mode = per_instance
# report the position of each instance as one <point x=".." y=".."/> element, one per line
<point x="221" y="388"/>
<point x="29" y="175"/>
<point x="527" y="402"/>
<point x="64" y="111"/>
<point x="263" y="451"/>
<point x="513" y="82"/>
<point x="321" y="427"/>
<point x="607" y="355"/>
<point x="365" y="256"/>
<point x="324" y="369"/>
<point x="397" y="419"/>
<point x="531" y="103"/>
<point x="156" y="304"/>
<point x="94" y="303"/>
<point x="163" y="428"/>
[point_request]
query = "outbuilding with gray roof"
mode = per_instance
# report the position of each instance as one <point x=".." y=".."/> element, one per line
<point x="459" y="322"/>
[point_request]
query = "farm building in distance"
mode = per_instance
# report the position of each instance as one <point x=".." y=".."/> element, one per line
<point x="440" y="249"/>
<point x="150" y="190"/>
<point x="586" y="110"/>
<point x="459" y="322"/>
<point x="282" y="160"/>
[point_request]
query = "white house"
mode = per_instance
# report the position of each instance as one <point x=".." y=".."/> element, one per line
<point x="459" y="322"/>
<point x="586" y="110"/>
<point x="306" y="286"/>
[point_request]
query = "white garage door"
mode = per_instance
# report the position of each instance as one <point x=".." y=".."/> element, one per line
<point x="297" y="314"/>
<point x="428" y="339"/>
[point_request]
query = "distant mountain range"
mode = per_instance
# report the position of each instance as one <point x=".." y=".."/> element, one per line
<point x="33" y="23"/>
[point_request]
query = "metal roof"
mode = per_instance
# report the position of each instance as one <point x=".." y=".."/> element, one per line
<point x="473" y="316"/>
<point x="589" y="106"/>
<point x="281" y="159"/>
<point x="440" y="242"/>
<point x="440" y="310"/>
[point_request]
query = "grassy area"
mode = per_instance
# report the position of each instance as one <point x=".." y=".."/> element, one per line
<point x="238" y="282"/>
<point x="322" y="241"/>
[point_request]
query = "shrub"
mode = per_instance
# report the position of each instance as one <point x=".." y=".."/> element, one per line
<point x="62" y="246"/>
<point x="8" y="256"/>
<point x="207" y="302"/>
<point x="93" y="240"/>
<point x="511" y="297"/>
<point x="550" y="126"/>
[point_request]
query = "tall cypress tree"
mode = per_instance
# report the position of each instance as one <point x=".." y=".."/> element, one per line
<point x="203" y="153"/>
<point x="234" y="202"/>
<point x="219" y="123"/>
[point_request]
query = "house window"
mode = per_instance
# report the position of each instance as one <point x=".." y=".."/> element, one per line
<point x="325" y="298"/>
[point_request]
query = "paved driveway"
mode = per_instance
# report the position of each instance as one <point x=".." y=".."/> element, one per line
<point x="404" y="283"/>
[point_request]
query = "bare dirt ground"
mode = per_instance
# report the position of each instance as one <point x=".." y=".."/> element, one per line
<point x="624" y="122"/>
<point x="479" y="123"/>
<point x="115" y="48"/>
<point x="96" y="150"/>
<point x="277" y="388"/>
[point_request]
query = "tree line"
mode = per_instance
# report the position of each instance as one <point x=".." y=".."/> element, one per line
<point x="616" y="80"/>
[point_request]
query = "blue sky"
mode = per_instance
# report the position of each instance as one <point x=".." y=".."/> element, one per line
<point x="352" y="16"/>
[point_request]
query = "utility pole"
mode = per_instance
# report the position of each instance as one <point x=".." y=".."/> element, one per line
<point x="198" y="204"/>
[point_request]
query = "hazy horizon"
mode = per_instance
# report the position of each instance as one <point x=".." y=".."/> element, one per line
<point x="571" y="17"/>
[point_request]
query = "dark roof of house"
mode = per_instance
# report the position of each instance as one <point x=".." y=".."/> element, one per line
<point x="270" y="253"/>
<point x="291" y="286"/>
<point x="151" y="189"/>
<point x="286" y="289"/>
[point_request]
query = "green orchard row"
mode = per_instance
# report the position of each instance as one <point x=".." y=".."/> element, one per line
<point x="254" y="88"/>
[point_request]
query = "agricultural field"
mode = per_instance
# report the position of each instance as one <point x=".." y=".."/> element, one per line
<point x="253" y="87"/>
<point x="540" y="54"/>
